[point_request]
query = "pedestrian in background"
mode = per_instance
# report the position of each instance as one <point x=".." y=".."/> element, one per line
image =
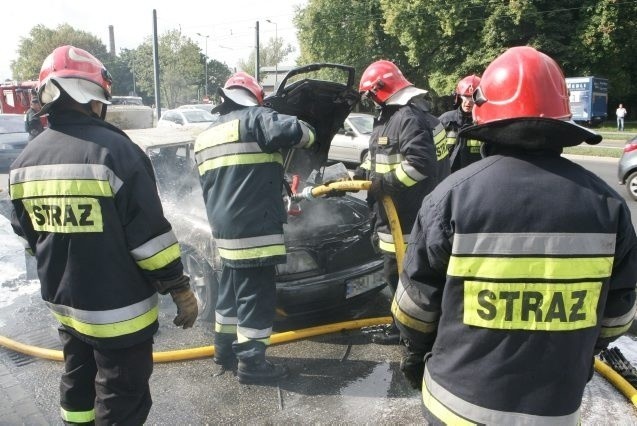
<point x="462" y="151"/>
<point x="503" y="309"/>
<point x="407" y="158"/>
<point x="32" y="122"/>
<point x="241" y="173"/>
<point x="87" y="207"/>
<point x="620" y="112"/>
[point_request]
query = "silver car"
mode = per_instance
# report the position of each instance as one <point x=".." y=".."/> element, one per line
<point x="627" y="167"/>
<point x="351" y="143"/>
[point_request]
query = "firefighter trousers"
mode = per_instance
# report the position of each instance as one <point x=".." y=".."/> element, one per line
<point x="246" y="299"/>
<point x="105" y="386"/>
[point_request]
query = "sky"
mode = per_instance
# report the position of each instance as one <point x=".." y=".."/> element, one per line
<point x="229" y="25"/>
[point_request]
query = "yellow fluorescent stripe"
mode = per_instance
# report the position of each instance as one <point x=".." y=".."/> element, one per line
<point x="77" y="416"/>
<point x="530" y="267"/>
<point x="239" y="159"/>
<point x="531" y="306"/>
<point x="160" y="259"/>
<point x="110" y="330"/>
<point x="253" y="253"/>
<point x="607" y="332"/>
<point x="447" y="416"/>
<point x="385" y="168"/>
<point x="385" y="246"/>
<point x="441" y="141"/>
<point x="403" y="318"/>
<point x="404" y="178"/>
<point x="64" y="215"/>
<point x="49" y="188"/>
<point x="226" y="328"/>
<point x="222" y="133"/>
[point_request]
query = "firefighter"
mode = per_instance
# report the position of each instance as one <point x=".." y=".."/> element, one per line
<point x="87" y="207"/>
<point x="503" y="309"/>
<point x="462" y="151"/>
<point x="241" y="173"/>
<point x="32" y="123"/>
<point x="407" y="158"/>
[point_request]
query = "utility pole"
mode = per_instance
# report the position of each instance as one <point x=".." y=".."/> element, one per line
<point x="256" y="64"/>
<point x="205" y="66"/>
<point x="276" y="53"/>
<point x="156" y="64"/>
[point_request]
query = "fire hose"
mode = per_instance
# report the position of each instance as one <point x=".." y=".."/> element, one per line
<point x="288" y="336"/>
<point x="310" y="193"/>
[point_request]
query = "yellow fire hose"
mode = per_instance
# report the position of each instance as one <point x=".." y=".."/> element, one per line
<point x="288" y="336"/>
<point x="208" y="351"/>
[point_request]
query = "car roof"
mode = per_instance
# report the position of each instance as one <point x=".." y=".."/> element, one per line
<point x="162" y="137"/>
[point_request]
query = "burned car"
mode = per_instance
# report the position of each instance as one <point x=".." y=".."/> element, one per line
<point x="331" y="263"/>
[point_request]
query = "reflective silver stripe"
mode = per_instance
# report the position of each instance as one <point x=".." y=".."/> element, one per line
<point x="411" y="171"/>
<point x="220" y="319"/>
<point x="67" y="171"/>
<point x="482" y="415"/>
<point x="388" y="238"/>
<point x="110" y="316"/>
<point x="254" y="333"/>
<point x="391" y="159"/>
<point x="154" y="246"/>
<point x="217" y="151"/>
<point x="244" y="243"/>
<point x="408" y="306"/>
<point x="534" y="243"/>
<point x="622" y="320"/>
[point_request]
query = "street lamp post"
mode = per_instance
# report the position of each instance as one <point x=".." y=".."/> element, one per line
<point x="205" y="66"/>
<point x="276" y="53"/>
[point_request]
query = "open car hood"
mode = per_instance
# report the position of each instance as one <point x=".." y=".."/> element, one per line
<point x="325" y="104"/>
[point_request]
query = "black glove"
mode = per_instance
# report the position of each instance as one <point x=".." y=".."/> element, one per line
<point x="413" y="368"/>
<point x="377" y="189"/>
<point x="187" y="309"/>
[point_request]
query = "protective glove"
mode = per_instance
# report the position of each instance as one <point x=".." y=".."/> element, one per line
<point x="187" y="309"/>
<point x="413" y="368"/>
<point x="377" y="188"/>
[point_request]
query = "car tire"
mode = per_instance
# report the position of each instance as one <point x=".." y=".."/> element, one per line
<point x="363" y="154"/>
<point x="631" y="185"/>
<point x="203" y="282"/>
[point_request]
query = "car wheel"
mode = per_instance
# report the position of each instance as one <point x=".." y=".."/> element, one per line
<point x="204" y="283"/>
<point x="631" y="185"/>
<point x="363" y="154"/>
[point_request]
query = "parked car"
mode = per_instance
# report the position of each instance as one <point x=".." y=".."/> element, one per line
<point x="13" y="139"/>
<point x="331" y="263"/>
<point x="186" y="118"/>
<point x="351" y="143"/>
<point x="627" y="168"/>
<point x="204" y="107"/>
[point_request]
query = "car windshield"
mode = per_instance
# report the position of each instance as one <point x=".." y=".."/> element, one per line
<point x="198" y="116"/>
<point x="11" y="123"/>
<point x="364" y="124"/>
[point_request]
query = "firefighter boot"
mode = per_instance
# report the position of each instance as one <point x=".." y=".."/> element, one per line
<point x="387" y="335"/>
<point x="224" y="355"/>
<point x="254" y="368"/>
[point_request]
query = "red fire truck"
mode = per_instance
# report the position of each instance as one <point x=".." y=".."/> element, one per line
<point x="15" y="98"/>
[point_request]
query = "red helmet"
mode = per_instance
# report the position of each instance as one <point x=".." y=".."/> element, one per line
<point x="467" y="85"/>
<point x="522" y="82"/>
<point x="250" y="93"/>
<point x="381" y="80"/>
<point x="78" y="73"/>
<point x="522" y="100"/>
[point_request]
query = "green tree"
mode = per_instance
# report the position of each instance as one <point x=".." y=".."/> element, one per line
<point x="350" y="33"/>
<point x="32" y="50"/>
<point x="218" y="74"/>
<point x="180" y="66"/>
<point x="271" y="54"/>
